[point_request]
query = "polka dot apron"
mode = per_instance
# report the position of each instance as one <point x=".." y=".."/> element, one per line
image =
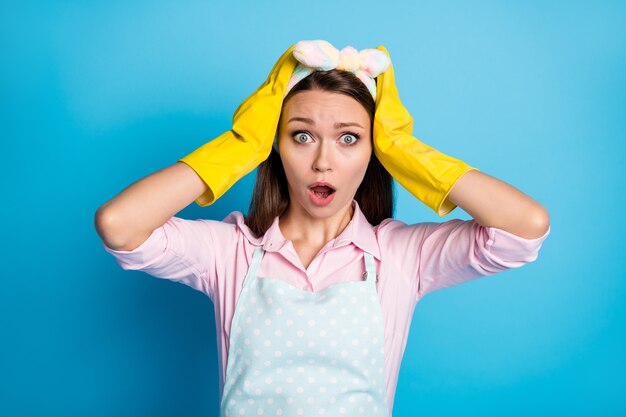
<point x="300" y="353"/>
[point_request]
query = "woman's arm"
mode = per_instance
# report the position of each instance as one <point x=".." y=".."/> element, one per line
<point x="128" y="219"/>
<point x="494" y="203"/>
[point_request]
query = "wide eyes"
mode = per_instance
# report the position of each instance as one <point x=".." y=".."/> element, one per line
<point x="301" y="137"/>
<point x="347" y="139"/>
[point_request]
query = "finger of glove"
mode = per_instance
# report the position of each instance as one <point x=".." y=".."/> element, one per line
<point x="391" y="117"/>
<point x="258" y="115"/>
<point x="272" y="77"/>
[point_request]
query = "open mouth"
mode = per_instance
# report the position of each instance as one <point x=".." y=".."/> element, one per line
<point x="322" y="191"/>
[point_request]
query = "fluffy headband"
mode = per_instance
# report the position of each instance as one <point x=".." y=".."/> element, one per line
<point x="322" y="56"/>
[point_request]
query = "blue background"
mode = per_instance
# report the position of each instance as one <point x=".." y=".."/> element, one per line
<point x="96" y="95"/>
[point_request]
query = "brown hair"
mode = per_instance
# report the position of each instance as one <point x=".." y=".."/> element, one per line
<point x="271" y="196"/>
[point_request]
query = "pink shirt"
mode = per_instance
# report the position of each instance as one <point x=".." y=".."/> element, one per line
<point x="412" y="260"/>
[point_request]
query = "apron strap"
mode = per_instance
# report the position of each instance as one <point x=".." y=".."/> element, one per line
<point x="370" y="267"/>
<point x="254" y="266"/>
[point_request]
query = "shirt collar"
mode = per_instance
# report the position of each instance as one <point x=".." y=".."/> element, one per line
<point x="359" y="232"/>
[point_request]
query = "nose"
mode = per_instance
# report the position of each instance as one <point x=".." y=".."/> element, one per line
<point x="323" y="158"/>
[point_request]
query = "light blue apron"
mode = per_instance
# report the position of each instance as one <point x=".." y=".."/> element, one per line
<point x="300" y="353"/>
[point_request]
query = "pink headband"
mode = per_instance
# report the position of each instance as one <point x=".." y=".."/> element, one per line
<point x="320" y="55"/>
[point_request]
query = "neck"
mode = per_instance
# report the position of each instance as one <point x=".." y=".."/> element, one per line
<point x="298" y="225"/>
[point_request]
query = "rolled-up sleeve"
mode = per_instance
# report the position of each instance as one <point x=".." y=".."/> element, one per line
<point x="456" y="251"/>
<point x="181" y="250"/>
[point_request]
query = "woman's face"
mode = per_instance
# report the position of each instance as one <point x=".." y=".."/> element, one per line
<point x="324" y="137"/>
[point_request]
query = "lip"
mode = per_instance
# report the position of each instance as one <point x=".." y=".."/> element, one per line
<point x="322" y="184"/>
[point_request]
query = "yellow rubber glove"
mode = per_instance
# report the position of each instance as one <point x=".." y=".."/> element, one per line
<point x="425" y="172"/>
<point x="226" y="159"/>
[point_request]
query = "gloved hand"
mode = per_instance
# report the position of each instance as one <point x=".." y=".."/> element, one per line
<point x="235" y="153"/>
<point x="425" y="172"/>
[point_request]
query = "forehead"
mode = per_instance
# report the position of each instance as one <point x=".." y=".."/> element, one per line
<point x="322" y="105"/>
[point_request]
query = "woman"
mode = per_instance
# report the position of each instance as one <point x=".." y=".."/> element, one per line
<point x="314" y="290"/>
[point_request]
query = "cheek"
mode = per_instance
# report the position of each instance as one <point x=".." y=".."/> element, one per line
<point x="361" y="160"/>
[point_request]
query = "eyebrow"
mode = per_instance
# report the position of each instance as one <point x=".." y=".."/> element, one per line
<point x="311" y="122"/>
